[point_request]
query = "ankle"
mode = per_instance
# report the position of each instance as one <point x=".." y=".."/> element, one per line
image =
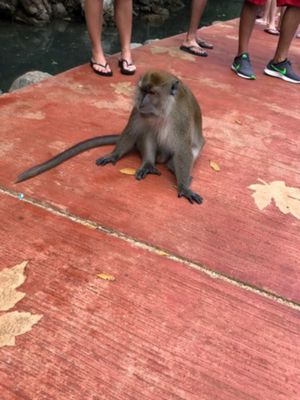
<point x="126" y="54"/>
<point x="98" y="55"/>
<point x="278" y="60"/>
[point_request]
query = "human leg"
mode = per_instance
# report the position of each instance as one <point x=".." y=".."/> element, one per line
<point x="265" y="16"/>
<point x="123" y="18"/>
<point x="241" y="64"/>
<point x="280" y="67"/>
<point x="271" y="24"/>
<point x="247" y="21"/>
<point x="288" y="28"/>
<point x="191" y="42"/>
<point x="93" y="14"/>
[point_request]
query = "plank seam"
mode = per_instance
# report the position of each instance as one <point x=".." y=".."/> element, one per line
<point x="151" y="248"/>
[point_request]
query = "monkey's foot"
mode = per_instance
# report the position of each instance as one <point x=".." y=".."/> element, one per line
<point x="190" y="195"/>
<point x="141" y="173"/>
<point x="109" y="158"/>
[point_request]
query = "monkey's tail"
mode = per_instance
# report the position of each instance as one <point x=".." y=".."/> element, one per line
<point x="66" y="154"/>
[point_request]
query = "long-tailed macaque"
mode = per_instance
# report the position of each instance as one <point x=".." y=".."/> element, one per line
<point x="165" y="126"/>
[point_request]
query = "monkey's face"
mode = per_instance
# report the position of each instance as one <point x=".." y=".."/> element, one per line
<point x="154" y="101"/>
<point x="148" y="102"/>
<point x="156" y="93"/>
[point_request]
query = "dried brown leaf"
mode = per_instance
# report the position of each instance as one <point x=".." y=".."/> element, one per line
<point x="105" y="276"/>
<point x="215" y="166"/>
<point x="128" y="171"/>
<point x="237" y="121"/>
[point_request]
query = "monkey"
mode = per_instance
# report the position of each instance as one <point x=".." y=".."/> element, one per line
<point x="164" y="126"/>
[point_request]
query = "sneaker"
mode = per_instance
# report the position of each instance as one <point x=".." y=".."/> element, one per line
<point x="282" y="70"/>
<point x="242" y="66"/>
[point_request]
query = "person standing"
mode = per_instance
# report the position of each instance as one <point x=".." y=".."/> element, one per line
<point x="269" y="17"/>
<point x="192" y="43"/>
<point x="279" y="66"/>
<point x="123" y="17"/>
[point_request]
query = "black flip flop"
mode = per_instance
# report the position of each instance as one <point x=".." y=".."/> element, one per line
<point x="204" y="44"/>
<point x="123" y="65"/>
<point x="189" y="49"/>
<point x="102" y="73"/>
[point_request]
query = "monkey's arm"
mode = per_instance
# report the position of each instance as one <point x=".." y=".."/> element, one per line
<point x="147" y="146"/>
<point x="125" y="144"/>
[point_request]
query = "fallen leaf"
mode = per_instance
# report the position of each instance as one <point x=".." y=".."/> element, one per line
<point x="105" y="276"/>
<point x="287" y="199"/>
<point x="161" y="253"/>
<point x="215" y="166"/>
<point x="14" y="324"/>
<point x="128" y="171"/>
<point x="238" y="122"/>
<point x="10" y="279"/>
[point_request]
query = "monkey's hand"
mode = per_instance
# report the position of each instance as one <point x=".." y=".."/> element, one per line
<point x="142" y="172"/>
<point x="109" y="158"/>
<point x="190" y="195"/>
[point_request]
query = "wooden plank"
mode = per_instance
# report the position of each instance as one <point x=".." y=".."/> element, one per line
<point x="161" y="330"/>
<point x="250" y="137"/>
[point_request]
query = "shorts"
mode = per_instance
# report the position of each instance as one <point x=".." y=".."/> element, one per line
<point x="280" y="3"/>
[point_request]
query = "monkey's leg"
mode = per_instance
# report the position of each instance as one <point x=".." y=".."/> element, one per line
<point x="182" y="164"/>
<point x="124" y="145"/>
<point x="147" y="147"/>
<point x="171" y="168"/>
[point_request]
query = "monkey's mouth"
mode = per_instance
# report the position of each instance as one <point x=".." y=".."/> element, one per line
<point x="146" y="113"/>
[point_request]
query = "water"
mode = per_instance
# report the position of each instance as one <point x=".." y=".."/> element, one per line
<point x="62" y="45"/>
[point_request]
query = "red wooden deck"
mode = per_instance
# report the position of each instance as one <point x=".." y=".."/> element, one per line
<point x="205" y="301"/>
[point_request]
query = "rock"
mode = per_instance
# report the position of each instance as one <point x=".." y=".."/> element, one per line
<point x="34" y="12"/>
<point x="28" y="78"/>
<point x="154" y="19"/>
<point x="145" y="2"/>
<point x="149" y="41"/>
<point x="135" y="45"/>
<point x="8" y="8"/>
<point x="59" y="11"/>
<point x="38" y="12"/>
<point x="162" y="11"/>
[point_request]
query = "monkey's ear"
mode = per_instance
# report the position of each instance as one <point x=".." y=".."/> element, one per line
<point x="174" y="88"/>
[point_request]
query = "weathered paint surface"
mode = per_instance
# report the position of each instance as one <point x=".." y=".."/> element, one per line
<point x="116" y="321"/>
<point x="160" y="330"/>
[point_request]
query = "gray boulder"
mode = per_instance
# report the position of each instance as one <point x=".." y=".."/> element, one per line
<point x="28" y="78"/>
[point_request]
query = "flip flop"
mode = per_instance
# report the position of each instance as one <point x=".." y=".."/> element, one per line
<point x="123" y="65"/>
<point x="272" y="31"/>
<point x="191" y="50"/>
<point x="204" y="44"/>
<point x="102" y="73"/>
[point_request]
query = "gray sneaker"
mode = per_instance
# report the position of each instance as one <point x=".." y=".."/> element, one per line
<point x="242" y="66"/>
<point x="282" y="70"/>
